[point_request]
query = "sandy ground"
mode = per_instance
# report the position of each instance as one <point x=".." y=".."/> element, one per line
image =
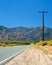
<point x="31" y="56"/>
<point x="48" y="48"/>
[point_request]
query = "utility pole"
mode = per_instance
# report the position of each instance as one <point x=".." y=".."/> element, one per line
<point x="43" y="12"/>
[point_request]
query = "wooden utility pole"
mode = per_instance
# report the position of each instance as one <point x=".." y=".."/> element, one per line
<point x="43" y="12"/>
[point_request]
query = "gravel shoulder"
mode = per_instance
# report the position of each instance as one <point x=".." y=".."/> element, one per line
<point x="31" y="56"/>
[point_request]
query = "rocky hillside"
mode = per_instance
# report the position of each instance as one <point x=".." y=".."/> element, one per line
<point x="24" y="34"/>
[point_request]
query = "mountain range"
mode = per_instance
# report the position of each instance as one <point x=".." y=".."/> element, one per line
<point x="24" y="34"/>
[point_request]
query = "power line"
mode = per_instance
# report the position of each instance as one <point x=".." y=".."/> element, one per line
<point x="43" y="12"/>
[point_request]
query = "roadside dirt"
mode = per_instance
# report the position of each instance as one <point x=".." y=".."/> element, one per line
<point x="31" y="56"/>
<point x="48" y="50"/>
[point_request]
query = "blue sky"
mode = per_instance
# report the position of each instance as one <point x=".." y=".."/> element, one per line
<point x="14" y="13"/>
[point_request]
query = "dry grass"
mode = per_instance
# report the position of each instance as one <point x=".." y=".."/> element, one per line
<point x="45" y="46"/>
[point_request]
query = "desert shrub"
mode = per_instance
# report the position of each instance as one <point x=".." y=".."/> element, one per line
<point x="44" y="43"/>
<point x="0" y="45"/>
<point x="4" y="45"/>
<point x="50" y="44"/>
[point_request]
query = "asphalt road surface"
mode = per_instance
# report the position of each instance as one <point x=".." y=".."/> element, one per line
<point x="7" y="53"/>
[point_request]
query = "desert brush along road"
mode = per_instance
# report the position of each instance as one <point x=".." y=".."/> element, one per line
<point x="31" y="56"/>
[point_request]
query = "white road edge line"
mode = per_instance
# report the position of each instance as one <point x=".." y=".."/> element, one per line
<point x="11" y="56"/>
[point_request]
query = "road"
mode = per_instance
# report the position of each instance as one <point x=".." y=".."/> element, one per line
<point x="31" y="56"/>
<point x="7" y="52"/>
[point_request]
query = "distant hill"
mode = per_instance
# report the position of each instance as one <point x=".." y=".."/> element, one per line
<point x="24" y="34"/>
